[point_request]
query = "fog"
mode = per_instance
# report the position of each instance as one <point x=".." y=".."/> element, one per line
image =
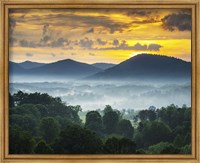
<point x="92" y="95"/>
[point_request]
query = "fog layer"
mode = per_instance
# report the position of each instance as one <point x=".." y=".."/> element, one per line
<point x="92" y="95"/>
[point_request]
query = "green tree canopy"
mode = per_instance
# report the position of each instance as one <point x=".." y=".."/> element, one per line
<point x="49" y="129"/>
<point x="110" y="120"/>
<point x="94" y="122"/>
<point x="20" y="142"/>
<point x="119" y="146"/>
<point x="43" y="148"/>
<point x="77" y="140"/>
<point x="125" y="128"/>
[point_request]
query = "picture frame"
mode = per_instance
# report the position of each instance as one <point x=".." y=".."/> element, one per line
<point x="4" y="83"/>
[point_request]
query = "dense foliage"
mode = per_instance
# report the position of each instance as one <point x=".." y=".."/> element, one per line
<point x="41" y="124"/>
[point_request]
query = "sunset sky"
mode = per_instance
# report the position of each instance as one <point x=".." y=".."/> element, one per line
<point x="98" y="35"/>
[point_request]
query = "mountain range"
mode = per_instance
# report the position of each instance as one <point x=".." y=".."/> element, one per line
<point x="30" y="65"/>
<point x="142" y="66"/>
<point x="103" y="66"/>
<point x="145" y="66"/>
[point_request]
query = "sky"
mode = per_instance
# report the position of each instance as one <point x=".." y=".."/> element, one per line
<point x="98" y="35"/>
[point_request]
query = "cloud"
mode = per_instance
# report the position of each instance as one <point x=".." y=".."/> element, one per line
<point x="154" y="47"/>
<point x="150" y="47"/>
<point x="124" y="46"/>
<point x="180" y="21"/>
<point x="139" y="12"/>
<point x="101" y="42"/>
<point x="86" y="43"/>
<point x="115" y="42"/>
<point x="45" y="29"/>
<point x="91" y="30"/>
<point x="60" y="42"/>
<point x="53" y="55"/>
<point x="92" y="54"/>
<point x="138" y="46"/>
<point x="26" y="43"/>
<point x="73" y="54"/>
<point x="29" y="54"/>
<point x="45" y="35"/>
<point x="12" y="25"/>
<point x="73" y="20"/>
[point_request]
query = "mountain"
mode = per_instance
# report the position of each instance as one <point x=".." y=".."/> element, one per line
<point x="103" y="66"/>
<point x="15" y="68"/>
<point x="65" y="68"/>
<point x="30" y="65"/>
<point x="147" y="66"/>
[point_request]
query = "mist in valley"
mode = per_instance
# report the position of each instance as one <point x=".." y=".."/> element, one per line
<point x="92" y="95"/>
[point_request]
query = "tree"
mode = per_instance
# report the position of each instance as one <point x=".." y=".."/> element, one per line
<point x="125" y="128"/>
<point x="27" y="109"/>
<point x="163" y="148"/>
<point x="119" y="146"/>
<point x="178" y="141"/>
<point x="26" y="122"/>
<point x="49" y="129"/>
<point x="110" y="120"/>
<point x="20" y="142"/>
<point x="42" y="109"/>
<point x="143" y="115"/>
<point x="186" y="149"/>
<point x="78" y="140"/>
<point x="43" y="148"/>
<point x="11" y="101"/>
<point x="155" y="132"/>
<point x="94" y="122"/>
<point x="151" y="115"/>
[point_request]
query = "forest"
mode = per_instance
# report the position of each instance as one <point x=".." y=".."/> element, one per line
<point x="42" y="124"/>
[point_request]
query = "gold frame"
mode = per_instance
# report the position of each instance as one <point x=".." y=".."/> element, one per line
<point x="6" y="4"/>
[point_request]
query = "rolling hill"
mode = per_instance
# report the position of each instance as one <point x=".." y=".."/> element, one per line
<point x="15" y="68"/>
<point x="65" y="68"/>
<point x="103" y="66"/>
<point x="147" y="66"/>
<point x="30" y="65"/>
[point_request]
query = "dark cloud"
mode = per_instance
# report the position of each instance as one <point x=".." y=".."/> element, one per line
<point x="29" y="54"/>
<point x="140" y="12"/>
<point x="138" y="46"/>
<point x="123" y="45"/>
<point x="101" y="42"/>
<point x="181" y="22"/>
<point x="86" y="43"/>
<point x="46" y="35"/>
<point x="45" y="29"/>
<point x="76" y="21"/>
<point x="26" y="43"/>
<point x="154" y="47"/>
<point x="12" y="25"/>
<point x="45" y="39"/>
<point x="115" y="42"/>
<point x="60" y="42"/>
<point x="146" y="21"/>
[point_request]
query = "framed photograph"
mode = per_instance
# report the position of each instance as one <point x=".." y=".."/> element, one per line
<point x="106" y="81"/>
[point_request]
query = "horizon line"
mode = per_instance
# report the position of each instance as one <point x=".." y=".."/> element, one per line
<point x="101" y="62"/>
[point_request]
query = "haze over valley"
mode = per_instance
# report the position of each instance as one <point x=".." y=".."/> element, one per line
<point x="137" y="83"/>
